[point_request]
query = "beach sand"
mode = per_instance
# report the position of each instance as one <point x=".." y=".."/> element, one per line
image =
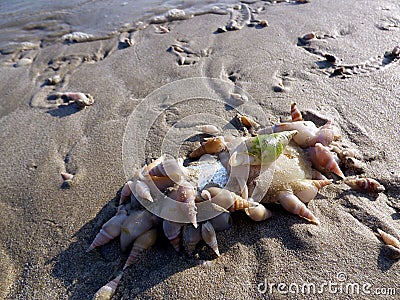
<point x="45" y="228"/>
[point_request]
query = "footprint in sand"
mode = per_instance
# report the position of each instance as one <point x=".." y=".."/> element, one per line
<point x="283" y="82"/>
<point x="186" y="55"/>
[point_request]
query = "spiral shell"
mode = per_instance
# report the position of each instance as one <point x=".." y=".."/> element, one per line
<point x="125" y="192"/>
<point x="389" y="239"/>
<point x="143" y="242"/>
<point x="365" y="184"/>
<point x="247" y="121"/>
<point x="208" y="129"/>
<point x="258" y="212"/>
<point x="107" y="291"/>
<point x="186" y="193"/>
<point x="322" y="159"/>
<point x="295" y="112"/>
<point x="172" y="231"/>
<point x="143" y="190"/>
<point x="293" y="205"/>
<point x="138" y="222"/>
<point x="110" y="229"/>
<point x="307" y="189"/>
<point x="209" y="236"/>
<point x="210" y="146"/>
<point x="172" y="168"/>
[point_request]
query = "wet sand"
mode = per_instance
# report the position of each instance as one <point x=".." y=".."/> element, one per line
<point x="45" y="228"/>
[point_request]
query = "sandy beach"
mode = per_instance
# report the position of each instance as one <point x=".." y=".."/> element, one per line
<point x="45" y="226"/>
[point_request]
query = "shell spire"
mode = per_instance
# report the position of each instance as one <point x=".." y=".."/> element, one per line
<point x="107" y="291"/>
<point x="172" y="231"/>
<point x="209" y="236"/>
<point x="365" y="184"/>
<point x="187" y="194"/>
<point x="295" y="112"/>
<point x="389" y="239"/>
<point x="143" y="242"/>
<point x="322" y="159"/>
<point x="293" y="205"/>
<point x="110" y="229"/>
<point x="143" y="190"/>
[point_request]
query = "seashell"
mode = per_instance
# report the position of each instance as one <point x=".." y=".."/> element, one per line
<point x="295" y="112"/>
<point x="211" y="146"/>
<point x="125" y="192"/>
<point x="389" y="239"/>
<point x="208" y="129"/>
<point x="307" y="189"/>
<point x="322" y="160"/>
<point x="239" y="97"/>
<point x="186" y="193"/>
<point x="162" y="183"/>
<point x="365" y="184"/>
<point x="163" y="29"/>
<point x="396" y="51"/>
<point x="80" y="99"/>
<point x="56" y="79"/>
<point x="354" y="164"/>
<point x="309" y="36"/>
<point x="293" y="205"/>
<point x="221" y="197"/>
<point x="110" y="229"/>
<point x="107" y="291"/>
<point x="172" y="231"/>
<point x="66" y="176"/>
<point x="143" y="242"/>
<point x="222" y="221"/>
<point x="143" y="190"/>
<point x="138" y="222"/>
<point x="209" y="236"/>
<point x="266" y="148"/>
<point x="258" y="212"/>
<point x="191" y="237"/>
<point x="248" y="122"/>
<point x="263" y="23"/>
<point x="173" y="168"/>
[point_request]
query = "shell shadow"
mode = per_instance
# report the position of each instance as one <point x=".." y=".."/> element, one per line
<point x="84" y="273"/>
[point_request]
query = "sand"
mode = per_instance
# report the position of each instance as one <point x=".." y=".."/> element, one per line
<point x="45" y="227"/>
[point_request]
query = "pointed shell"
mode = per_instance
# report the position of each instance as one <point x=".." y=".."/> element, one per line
<point x="143" y="242"/>
<point x="143" y="190"/>
<point x="209" y="236"/>
<point x="107" y="291"/>
<point x="365" y="184"/>
<point x="172" y="231"/>
<point x="295" y="113"/>
<point x="389" y="239"/>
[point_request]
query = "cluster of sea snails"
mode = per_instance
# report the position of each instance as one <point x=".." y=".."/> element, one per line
<point x="287" y="163"/>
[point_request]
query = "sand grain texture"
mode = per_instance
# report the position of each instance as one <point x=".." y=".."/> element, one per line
<point x="46" y="228"/>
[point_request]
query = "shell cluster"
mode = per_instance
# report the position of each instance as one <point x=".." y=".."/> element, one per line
<point x="287" y="163"/>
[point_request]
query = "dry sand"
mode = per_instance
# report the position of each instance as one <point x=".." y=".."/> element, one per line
<point x="45" y="228"/>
